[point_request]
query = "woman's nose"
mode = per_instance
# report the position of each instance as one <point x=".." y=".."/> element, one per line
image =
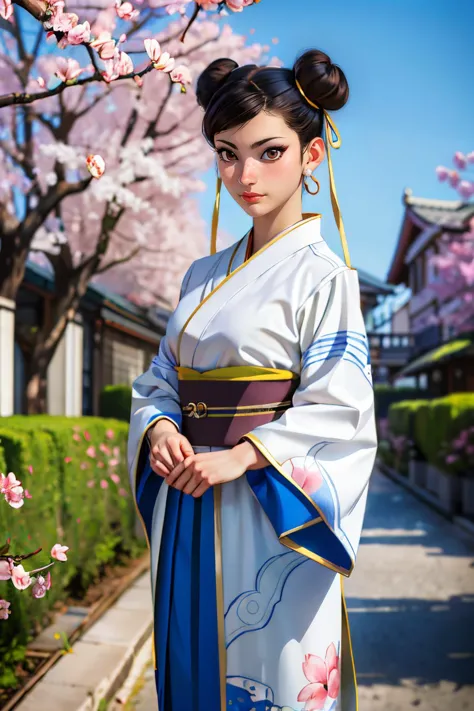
<point x="248" y="175"/>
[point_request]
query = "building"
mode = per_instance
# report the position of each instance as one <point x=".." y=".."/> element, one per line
<point x="110" y="341"/>
<point x="439" y="355"/>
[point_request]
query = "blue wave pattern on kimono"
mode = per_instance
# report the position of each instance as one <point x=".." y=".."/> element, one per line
<point x="352" y="346"/>
<point x="252" y="610"/>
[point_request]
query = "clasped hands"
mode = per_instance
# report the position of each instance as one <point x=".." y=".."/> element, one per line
<point x="173" y="458"/>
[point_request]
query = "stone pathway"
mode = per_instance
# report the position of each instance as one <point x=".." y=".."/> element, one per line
<point x="411" y="606"/>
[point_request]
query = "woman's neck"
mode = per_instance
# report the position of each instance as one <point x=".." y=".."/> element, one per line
<point x="268" y="226"/>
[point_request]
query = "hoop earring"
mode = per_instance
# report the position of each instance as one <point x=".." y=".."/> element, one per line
<point x="311" y="192"/>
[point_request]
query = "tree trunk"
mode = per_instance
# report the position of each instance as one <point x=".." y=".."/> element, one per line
<point x="36" y="384"/>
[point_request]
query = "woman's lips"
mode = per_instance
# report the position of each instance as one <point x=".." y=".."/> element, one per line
<point x="252" y="197"/>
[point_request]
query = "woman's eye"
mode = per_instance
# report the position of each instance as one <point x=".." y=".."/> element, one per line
<point x="226" y="155"/>
<point x="274" y="153"/>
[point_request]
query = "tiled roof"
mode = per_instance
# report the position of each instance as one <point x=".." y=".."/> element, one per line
<point x="451" y="214"/>
<point x="374" y="283"/>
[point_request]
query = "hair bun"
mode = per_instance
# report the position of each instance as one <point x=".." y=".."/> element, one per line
<point x="212" y="78"/>
<point x="323" y="82"/>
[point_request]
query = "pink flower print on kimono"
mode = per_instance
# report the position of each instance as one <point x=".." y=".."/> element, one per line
<point x="324" y="677"/>
<point x="307" y="479"/>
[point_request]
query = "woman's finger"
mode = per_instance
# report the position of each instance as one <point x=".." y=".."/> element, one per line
<point x="183" y="479"/>
<point x="192" y="484"/>
<point x="175" y="473"/>
<point x="200" y="490"/>
<point x="175" y="451"/>
<point x="164" y="456"/>
<point x="159" y="467"/>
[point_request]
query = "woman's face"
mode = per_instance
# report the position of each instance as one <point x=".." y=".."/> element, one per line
<point x="260" y="163"/>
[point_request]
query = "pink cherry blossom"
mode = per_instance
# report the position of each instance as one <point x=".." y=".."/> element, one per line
<point x="442" y="173"/>
<point x="106" y="450"/>
<point x="465" y="189"/>
<point x="181" y="75"/>
<point x="308" y="479"/>
<point x="104" y="45"/>
<point x="122" y="492"/>
<point x="30" y="469"/>
<point x="451" y="458"/>
<point x="126" y="11"/>
<point x="87" y="435"/>
<point x="79" y="34"/>
<point x="467" y="270"/>
<point x="11" y="487"/>
<point x="113" y="462"/>
<point x="6" y="568"/>
<point x="101" y="465"/>
<point x="104" y="484"/>
<point x="20" y="577"/>
<point x="4" y="611"/>
<point x="110" y="434"/>
<point x="115" y="478"/>
<point x="324" y="678"/>
<point x="6" y="9"/>
<point x="68" y="460"/>
<point x="76" y="437"/>
<point x="453" y="178"/>
<point x="40" y="586"/>
<point x="96" y="167"/>
<point x="68" y="69"/>
<point x="90" y="451"/>
<point x="161" y="60"/>
<point x="116" y="451"/>
<point x="84" y="465"/>
<point x="59" y="552"/>
<point x="460" y="160"/>
<point x="153" y="49"/>
<point x="91" y="483"/>
<point x="124" y="64"/>
<point x="27" y="494"/>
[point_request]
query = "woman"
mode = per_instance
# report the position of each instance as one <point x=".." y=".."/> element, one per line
<point x="252" y="433"/>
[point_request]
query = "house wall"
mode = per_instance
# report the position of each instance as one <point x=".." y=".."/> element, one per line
<point x="124" y="357"/>
<point x="401" y="320"/>
<point x="7" y="350"/>
<point x="64" y="393"/>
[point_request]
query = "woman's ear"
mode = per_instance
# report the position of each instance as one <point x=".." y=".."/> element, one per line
<point x="314" y="154"/>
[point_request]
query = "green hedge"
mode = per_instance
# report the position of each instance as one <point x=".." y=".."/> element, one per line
<point x="386" y="395"/>
<point x="433" y="424"/>
<point x="115" y="401"/>
<point x="402" y="415"/>
<point x="69" y="505"/>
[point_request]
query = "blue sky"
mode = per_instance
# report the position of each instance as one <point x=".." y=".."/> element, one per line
<point x="409" y="66"/>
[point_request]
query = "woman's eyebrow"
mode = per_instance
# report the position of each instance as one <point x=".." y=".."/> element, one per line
<point x="254" y="145"/>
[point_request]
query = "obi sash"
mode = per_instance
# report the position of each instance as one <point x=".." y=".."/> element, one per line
<point x="220" y="406"/>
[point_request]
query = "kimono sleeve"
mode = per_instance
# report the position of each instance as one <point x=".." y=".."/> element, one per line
<point x="154" y="397"/>
<point x="321" y="451"/>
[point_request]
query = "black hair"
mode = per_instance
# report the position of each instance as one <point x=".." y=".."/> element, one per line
<point x="233" y="95"/>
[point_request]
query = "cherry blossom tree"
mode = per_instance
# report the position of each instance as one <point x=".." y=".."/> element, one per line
<point x="454" y="285"/>
<point x="454" y="262"/>
<point x="136" y="224"/>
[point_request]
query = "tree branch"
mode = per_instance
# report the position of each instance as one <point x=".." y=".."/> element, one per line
<point x="115" y="262"/>
<point x="16" y="98"/>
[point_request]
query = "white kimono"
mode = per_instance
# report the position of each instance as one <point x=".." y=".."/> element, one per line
<point x="278" y="638"/>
